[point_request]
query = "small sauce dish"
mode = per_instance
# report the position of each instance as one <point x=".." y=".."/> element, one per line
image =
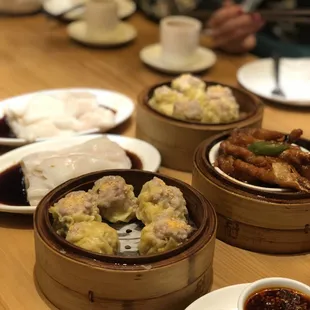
<point x="275" y="291"/>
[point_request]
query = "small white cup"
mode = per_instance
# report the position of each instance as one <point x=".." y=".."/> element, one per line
<point x="179" y="38"/>
<point x="269" y="283"/>
<point x="100" y="16"/>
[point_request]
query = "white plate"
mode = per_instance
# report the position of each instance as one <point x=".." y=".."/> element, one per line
<point x="151" y="56"/>
<point x="149" y="156"/>
<point x="54" y="7"/>
<point x="223" y="299"/>
<point x="213" y="154"/>
<point x="122" y="104"/>
<point x="258" y="78"/>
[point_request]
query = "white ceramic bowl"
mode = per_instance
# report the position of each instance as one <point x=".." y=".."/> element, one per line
<point x="268" y="283"/>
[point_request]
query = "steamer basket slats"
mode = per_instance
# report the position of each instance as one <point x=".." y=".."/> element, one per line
<point x="67" y="299"/>
<point x="245" y="209"/>
<point x="74" y="281"/>
<point x="185" y="270"/>
<point x="261" y="239"/>
<point x="276" y="223"/>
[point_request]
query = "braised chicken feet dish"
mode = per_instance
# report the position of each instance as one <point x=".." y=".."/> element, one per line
<point x="260" y="156"/>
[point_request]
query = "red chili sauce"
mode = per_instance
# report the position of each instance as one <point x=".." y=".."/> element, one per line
<point x="278" y="299"/>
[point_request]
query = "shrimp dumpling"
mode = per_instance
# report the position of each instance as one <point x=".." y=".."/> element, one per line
<point x="160" y="200"/>
<point x="75" y="207"/>
<point x="163" y="235"/>
<point x="116" y="199"/>
<point x="94" y="236"/>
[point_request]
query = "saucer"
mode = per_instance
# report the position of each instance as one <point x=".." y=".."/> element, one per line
<point x="54" y="7"/>
<point x="202" y="60"/>
<point x="123" y="33"/>
<point x="223" y="299"/>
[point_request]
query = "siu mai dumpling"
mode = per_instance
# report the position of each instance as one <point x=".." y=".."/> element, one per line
<point x="221" y="110"/>
<point x="160" y="200"/>
<point x="163" y="235"/>
<point x="221" y="106"/>
<point x="164" y="98"/>
<point x="116" y="199"/>
<point x="188" y="110"/>
<point x="75" y="207"/>
<point x="94" y="236"/>
<point x="189" y="85"/>
<point x="219" y="91"/>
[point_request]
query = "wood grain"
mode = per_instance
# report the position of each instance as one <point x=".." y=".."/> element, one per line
<point x="36" y="54"/>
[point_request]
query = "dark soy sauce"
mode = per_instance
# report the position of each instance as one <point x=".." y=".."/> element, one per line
<point x="136" y="162"/>
<point x="12" y="185"/>
<point x="5" y="130"/>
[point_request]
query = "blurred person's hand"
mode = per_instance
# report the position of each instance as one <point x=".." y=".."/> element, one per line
<point x="233" y="30"/>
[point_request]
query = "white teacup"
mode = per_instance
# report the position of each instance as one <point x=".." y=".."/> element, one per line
<point x="179" y="37"/>
<point x="269" y="283"/>
<point x="100" y="16"/>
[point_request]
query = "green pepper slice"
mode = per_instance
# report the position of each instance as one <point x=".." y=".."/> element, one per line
<point x="266" y="148"/>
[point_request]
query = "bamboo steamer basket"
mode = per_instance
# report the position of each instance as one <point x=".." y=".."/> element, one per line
<point x="72" y="278"/>
<point x="177" y="140"/>
<point x="275" y="223"/>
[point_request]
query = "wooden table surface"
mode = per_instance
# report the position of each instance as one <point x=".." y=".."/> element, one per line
<point x="36" y="54"/>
